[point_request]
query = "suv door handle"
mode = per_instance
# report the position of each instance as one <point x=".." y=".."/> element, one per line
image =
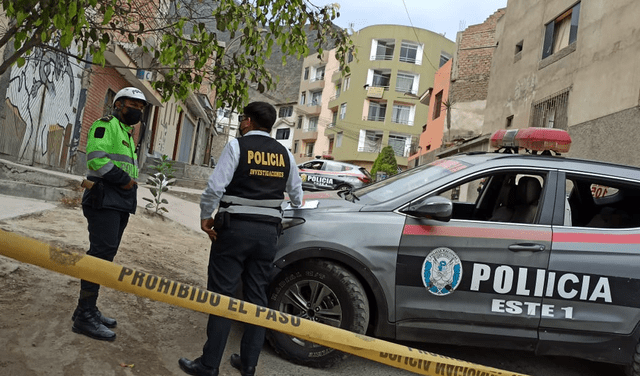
<point x="531" y="247"/>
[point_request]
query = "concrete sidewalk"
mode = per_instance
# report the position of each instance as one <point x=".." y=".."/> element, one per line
<point x="11" y="206"/>
<point x="27" y="189"/>
<point x="182" y="211"/>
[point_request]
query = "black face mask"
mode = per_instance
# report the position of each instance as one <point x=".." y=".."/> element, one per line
<point x="132" y="116"/>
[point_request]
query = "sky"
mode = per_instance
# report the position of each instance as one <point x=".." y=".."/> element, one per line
<point x="441" y="16"/>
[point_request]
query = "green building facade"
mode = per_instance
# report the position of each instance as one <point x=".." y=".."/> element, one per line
<point x="377" y="103"/>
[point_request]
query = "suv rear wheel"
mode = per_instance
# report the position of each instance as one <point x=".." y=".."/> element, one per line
<point x="321" y="291"/>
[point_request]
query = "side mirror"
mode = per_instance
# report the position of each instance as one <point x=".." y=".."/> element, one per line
<point x="435" y="207"/>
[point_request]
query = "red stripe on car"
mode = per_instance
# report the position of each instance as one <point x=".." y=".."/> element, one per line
<point x="476" y="232"/>
<point x="567" y="237"/>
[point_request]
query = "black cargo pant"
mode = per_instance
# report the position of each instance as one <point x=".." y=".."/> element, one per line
<point x="244" y="250"/>
<point x="105" y="232"/>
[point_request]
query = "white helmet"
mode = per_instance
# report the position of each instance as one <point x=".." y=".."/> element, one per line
<point x="131" y="93"/>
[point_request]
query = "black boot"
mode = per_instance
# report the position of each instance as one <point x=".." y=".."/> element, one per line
<point x="88" y="323"/>
<point x="196" y="368"/>
<point x="236" y="362"/>
<point x="107" y="321"/>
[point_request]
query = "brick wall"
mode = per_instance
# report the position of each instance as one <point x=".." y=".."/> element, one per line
<point x="475" y="51"/>
<point x="100" y="81"/>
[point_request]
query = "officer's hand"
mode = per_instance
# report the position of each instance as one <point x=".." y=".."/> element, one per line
<point x="207" y="226"/>
<point x="129" y="185"/>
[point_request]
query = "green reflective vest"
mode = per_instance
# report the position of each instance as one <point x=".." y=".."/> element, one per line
<point x="110" y="144"/>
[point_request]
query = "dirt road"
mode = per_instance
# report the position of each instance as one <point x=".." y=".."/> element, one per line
<point x="36" y="305"/>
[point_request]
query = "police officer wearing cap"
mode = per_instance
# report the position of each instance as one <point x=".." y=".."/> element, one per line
<point x="112" y="169"/>
<point x="247" y="186"/>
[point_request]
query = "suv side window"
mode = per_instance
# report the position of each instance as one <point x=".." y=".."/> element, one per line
<point x="329" y="166"/>
<point x="601" y="204"/>
<point x="312" y="165"/>
<point x="501" y="197"/>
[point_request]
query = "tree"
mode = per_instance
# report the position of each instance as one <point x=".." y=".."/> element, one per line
<point x="179" y="37"/>
<point x="386" y="162"/>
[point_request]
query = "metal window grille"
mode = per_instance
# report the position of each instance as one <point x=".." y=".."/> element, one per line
<point x="551" y="112"/>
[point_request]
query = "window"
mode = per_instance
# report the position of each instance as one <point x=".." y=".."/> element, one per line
<point x="500" y="197"/>
<point x="407" y="83"/>
<point x="316" y="98"/>
<point x="382" y="49"/>
<point x="224" y="113"/>
<point x="349" y="56"/>
<point x="381" y="78"/>
<point x="400" y="144"/>
<point x="303" y="97"/>
<point x="409" y="52"/>
<point x="335" y="167"/>
<point x="437" y="105"/>
<point x="444" y="57"/>
<point x="345" y="83"/>
<point x="370" y="141"/>
<point x="376" y="111"/>
<point x="334" y="119"/>
<point x="601" y="203"/>
<point x="343" y="110"/>
<point x="313" y="124"/>
<point x="338" y="87"/>
<point x="319" y="74"/>
<point x="308" y="150"/>
<point x="306" y="73"/>
<point x="561" y="32"/>
<point x="283" y="133"/>
<point x="551" y="112"/>
<point x="509" y="121"/>
<point x="402" y="114"/>
<point x="299" y="125"/>
<point x="314" y="165"/>
<point x="331" y="145"/>
<point x="339" y="139"/>
<point x="285" y="111"/>
<point x="108" y="102"/>
<point x="295" y="146"/>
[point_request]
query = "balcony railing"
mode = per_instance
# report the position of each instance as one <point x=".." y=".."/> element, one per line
<point x="406" y="59"/>
<point x="383" y="57"/>
<point x="375" y="118"/>
<point x="401" y="121"/>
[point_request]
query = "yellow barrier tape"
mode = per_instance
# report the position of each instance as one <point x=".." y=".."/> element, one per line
<point x="179" y="294"/>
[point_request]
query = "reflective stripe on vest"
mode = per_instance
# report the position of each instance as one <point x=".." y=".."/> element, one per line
<point x="239" y="205"/>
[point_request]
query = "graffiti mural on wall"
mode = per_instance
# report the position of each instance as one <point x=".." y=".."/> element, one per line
<point x="42" y="98"/>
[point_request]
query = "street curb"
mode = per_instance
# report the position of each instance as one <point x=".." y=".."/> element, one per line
<point x="36" y="191"/>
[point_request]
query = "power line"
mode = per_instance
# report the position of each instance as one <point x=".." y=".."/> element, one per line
<point x="418" y="38"/>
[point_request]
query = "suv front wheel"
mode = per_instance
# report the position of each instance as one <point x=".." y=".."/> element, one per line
<point x="321" y="291"/>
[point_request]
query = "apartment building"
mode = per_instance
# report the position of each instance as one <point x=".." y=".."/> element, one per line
<point x="377" y="103"/>
<point x="438" y="119"/>
<point x="313" y="115"/>
<point x="283" y="128"/>
<point x="571" y="65"/>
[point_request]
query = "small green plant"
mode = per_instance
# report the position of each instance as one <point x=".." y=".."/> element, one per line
<point x="386" y="162"/>
<point x="160" y="183"/>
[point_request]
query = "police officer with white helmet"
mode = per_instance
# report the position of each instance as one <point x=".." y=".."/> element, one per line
<point x="109" y="198"/>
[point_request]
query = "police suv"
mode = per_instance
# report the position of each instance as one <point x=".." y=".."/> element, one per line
<point x="529" y="251"/>
<point x="324" y="174"/>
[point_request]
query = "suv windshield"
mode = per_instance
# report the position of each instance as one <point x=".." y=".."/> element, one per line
<point x="409" y="180"/>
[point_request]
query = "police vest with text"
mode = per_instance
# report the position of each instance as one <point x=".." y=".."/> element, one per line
<point x="257" y="189"/>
